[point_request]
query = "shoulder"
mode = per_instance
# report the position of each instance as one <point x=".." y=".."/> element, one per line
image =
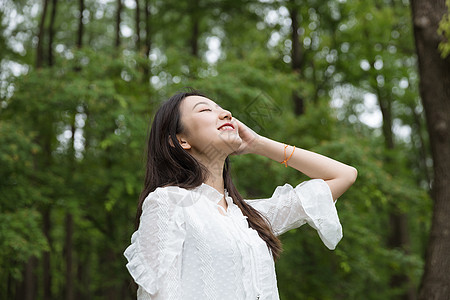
<point x="169" y="196"/>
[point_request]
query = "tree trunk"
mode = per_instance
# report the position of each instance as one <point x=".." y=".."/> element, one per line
<point x="423" y="153"/>
<point x="80" y="25"/>
<point x="118" y="20"/>
<point x="195" y="30"/>
<point x="39" y="48"/>
<point x="51" y="32"/>
<point x="399" y="239"/>
<point x="148" y="40"/>
<point x="46" y="272"/>
<point x="28" y="289"/>
<point x="68" y="255"/>
<point x="296" y="58"/>
<point x="295" y="52"/>
<point x="68" y="245"/>
<point x="398" y="221"/>
<point x="386" y="111"/>
<point x="83" y="290"/>
<point x="138" y="26"/>
<point x="435" y="93"/>
<point x="194" y="37"/>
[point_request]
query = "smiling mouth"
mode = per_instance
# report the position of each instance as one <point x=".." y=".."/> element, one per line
<point x="226" y="126"/>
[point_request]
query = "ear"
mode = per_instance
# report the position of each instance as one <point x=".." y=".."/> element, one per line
<point x="182" y="141"/>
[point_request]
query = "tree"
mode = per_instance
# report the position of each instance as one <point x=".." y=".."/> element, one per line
<point x="435" y="93"/>
<point x="41" y="34"/>
<point x="72" y="135"/>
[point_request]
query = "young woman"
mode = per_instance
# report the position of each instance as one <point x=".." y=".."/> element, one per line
<point x="196" y="237"/>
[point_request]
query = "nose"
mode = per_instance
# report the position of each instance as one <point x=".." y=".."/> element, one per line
<point x="226" y="114"/>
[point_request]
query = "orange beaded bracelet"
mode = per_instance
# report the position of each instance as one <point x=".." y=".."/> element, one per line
<point x="286" y="159"/>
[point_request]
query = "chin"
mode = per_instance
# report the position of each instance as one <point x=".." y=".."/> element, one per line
<point x="230" y="142"/>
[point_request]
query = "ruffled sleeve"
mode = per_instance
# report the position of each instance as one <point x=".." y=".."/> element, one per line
<point x="309" y="202"/>
<point x="154" y="256"/>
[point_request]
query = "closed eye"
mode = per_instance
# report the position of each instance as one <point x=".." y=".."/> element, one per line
<point x="206" y="109"/>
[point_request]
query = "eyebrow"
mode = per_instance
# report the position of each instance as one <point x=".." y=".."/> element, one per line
<point x="203" y="102"/>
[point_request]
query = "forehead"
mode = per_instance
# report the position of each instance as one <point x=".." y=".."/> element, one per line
<point x="191" y="101"/>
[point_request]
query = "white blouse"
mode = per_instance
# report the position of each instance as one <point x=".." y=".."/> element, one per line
<point x="185" y="249"/>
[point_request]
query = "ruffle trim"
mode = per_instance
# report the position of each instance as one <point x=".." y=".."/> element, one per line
<point x="145" y="271"/>
<point x="317" y="201"/>
<point x="144" y="277"/>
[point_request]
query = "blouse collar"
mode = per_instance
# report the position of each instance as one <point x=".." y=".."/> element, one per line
<point x="213" y="194"/>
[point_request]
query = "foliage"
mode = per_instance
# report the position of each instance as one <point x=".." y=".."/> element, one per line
<point x="444" y="30"/>
<point x="72" y="135"/>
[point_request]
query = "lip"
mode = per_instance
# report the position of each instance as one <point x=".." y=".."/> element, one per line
<point x="226" y="124"/>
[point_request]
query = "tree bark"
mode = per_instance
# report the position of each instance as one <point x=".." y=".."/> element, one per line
<point x="423" y="153"/>
<point x="194" y="37"/>
<point x="28" y="289"/>
<point x="68" y="245"/>
<point x="51" y="32"/>
<point x="435" y="93"/>
<point x="68" y="255"/>
<point x="148" y="40"/>
<point x="46" y="272"/>
<point x="118" y="20"/>
<point x="195" y="30"/>
<point x="80" y="25"/>
<point x="295" y="52"/>
<point x="138" y="26"/>
<point x="296" y="57"/>
<point x="40" y="47"/>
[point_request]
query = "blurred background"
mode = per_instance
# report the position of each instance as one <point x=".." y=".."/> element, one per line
<point x="81" y="79"/>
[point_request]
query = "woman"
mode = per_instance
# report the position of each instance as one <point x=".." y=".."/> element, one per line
<point x="196" y="237"/>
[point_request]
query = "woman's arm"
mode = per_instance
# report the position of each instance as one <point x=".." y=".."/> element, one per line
<point x="337" y="175"/>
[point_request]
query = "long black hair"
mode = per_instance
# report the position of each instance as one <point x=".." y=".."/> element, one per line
<point x="169" y="164"/>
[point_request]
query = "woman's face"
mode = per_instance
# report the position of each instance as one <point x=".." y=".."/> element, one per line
<point x="209" y="130"/>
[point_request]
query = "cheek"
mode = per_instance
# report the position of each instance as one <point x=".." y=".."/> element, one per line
<point x="200" y="130"/>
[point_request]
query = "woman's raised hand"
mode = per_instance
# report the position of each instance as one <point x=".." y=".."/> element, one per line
<point x="249" y="139"/>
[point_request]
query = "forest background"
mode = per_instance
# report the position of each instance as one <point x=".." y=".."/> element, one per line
<point x="81" y="79"/>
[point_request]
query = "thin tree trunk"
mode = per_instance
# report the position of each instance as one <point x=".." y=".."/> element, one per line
<point x="51" y="32"/>
<point x="148" y="35"/>
<point x="68" y="255"/>
<point x="70" y="290"/>
<point x="194" y="37"/>
<point x="422" y="150"/>
<point x="148" y="40"/>
<point x="295" y="52"/>
<point x="296" y="58"/>
<point x="83" y="272"/>
<point x="10" y="287"/>
<point x="138" y="26"/>
<point x="399" y="232"/>
<point x="80" y="24"/>
<point x="118" y="20"/>
<point x="435" y="93"/>
<point x="40" y="47"/>
<point x="386" y="111"/>
<point x="46" y="272"/>
<point x="28" y="289"/>
<point x="195" y="30"/>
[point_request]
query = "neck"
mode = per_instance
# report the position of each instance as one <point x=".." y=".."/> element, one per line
<point x="215" y="166"/>
<point x="215" y="178"/>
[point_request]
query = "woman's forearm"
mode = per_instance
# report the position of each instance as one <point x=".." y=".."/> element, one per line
<point x="337" y="175"/>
